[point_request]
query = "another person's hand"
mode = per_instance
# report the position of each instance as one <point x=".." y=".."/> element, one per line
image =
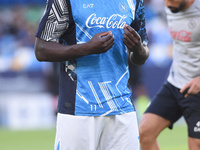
<point x="101" y="43"/>
<point x="193" y="87"/>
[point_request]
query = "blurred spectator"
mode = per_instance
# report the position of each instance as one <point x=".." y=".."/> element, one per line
<point x="17" y="31"/>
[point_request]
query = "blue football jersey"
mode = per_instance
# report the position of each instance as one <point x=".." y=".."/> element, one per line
<point x="93" y="85"/>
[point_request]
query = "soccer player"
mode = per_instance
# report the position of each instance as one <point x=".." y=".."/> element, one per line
<point x="180" y="94"/>
<point x="93" y="41"/>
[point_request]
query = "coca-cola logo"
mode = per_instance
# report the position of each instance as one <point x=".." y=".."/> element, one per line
<point x="181" y="35"/>
<point x="114" y="21"/>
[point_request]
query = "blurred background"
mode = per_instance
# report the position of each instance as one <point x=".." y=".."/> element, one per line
<point x="29" y="89"/>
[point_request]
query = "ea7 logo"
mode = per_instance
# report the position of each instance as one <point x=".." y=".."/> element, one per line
<point x="88" y="5"/>
<point x="197" y="128"/>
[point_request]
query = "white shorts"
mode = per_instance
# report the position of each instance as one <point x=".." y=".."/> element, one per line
<point x="119" y="132"/>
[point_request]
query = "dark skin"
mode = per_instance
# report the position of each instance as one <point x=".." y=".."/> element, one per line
<point x="100" y="43"/>
<point x="55" y="52"/>
<point x="138" y="53"/>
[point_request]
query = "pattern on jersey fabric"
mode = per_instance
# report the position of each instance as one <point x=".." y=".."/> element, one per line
<point x="102" y="79"/>
<point x="57" y="20"/>
<point x="139" y="23"/>
<point x="96" y="84"/>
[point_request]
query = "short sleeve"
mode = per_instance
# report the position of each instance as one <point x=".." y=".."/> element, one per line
<point x="55" y="20"/>
<point x="139" y="23"/>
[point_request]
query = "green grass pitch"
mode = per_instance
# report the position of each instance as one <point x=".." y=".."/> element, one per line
<point x="44" y="139"/>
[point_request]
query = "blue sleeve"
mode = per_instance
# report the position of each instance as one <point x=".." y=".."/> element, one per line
<point x="139" y="23"/>
<point x="55" y="20"/>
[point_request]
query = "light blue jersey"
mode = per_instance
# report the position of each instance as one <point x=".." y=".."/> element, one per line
<point x="94" y="85"/>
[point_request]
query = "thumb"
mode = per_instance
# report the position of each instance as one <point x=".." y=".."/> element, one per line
<point x="105" y="33"/>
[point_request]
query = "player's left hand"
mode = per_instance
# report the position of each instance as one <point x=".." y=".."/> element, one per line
<point x="132" y="39"/>
<point x="194" y="87"/>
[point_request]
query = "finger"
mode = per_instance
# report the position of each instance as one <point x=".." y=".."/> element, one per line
<point x="127" y="33"/>
<point x="110" y="41"/>
<point x="133" y="32"/>
<point x="130" y="38"/>
<point x="193" y="90"/>
<point x="109" y="46"/>
<point x="184" y="88"/>
<point x="186" y="95"/>
<point x="107" y="36"/>
<point x="128" y="45"/>
<point x="190" y="91"/>
<point x="102" y="34"/>
<point x="129" y="42"/>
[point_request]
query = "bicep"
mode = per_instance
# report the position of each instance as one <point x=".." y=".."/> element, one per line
<point x="55" y="21"/>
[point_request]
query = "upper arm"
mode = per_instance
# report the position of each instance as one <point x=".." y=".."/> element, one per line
<point x="55" y="20"/>
<point x="139" y="22"/>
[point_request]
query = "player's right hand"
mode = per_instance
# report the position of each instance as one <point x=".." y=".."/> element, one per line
<point x="100" y="43"/>
<point x="193" y="87"/>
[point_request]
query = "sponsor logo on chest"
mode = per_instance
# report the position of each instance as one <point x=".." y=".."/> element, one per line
<point x="114" y="21"/>
<point x="181" y="35"/>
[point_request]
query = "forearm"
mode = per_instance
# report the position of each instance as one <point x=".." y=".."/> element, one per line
<point x="56" y="52"/>
<point x="139" y="57"/>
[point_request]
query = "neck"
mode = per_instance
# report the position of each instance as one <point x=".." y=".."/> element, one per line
<point x="188" y="3"/>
